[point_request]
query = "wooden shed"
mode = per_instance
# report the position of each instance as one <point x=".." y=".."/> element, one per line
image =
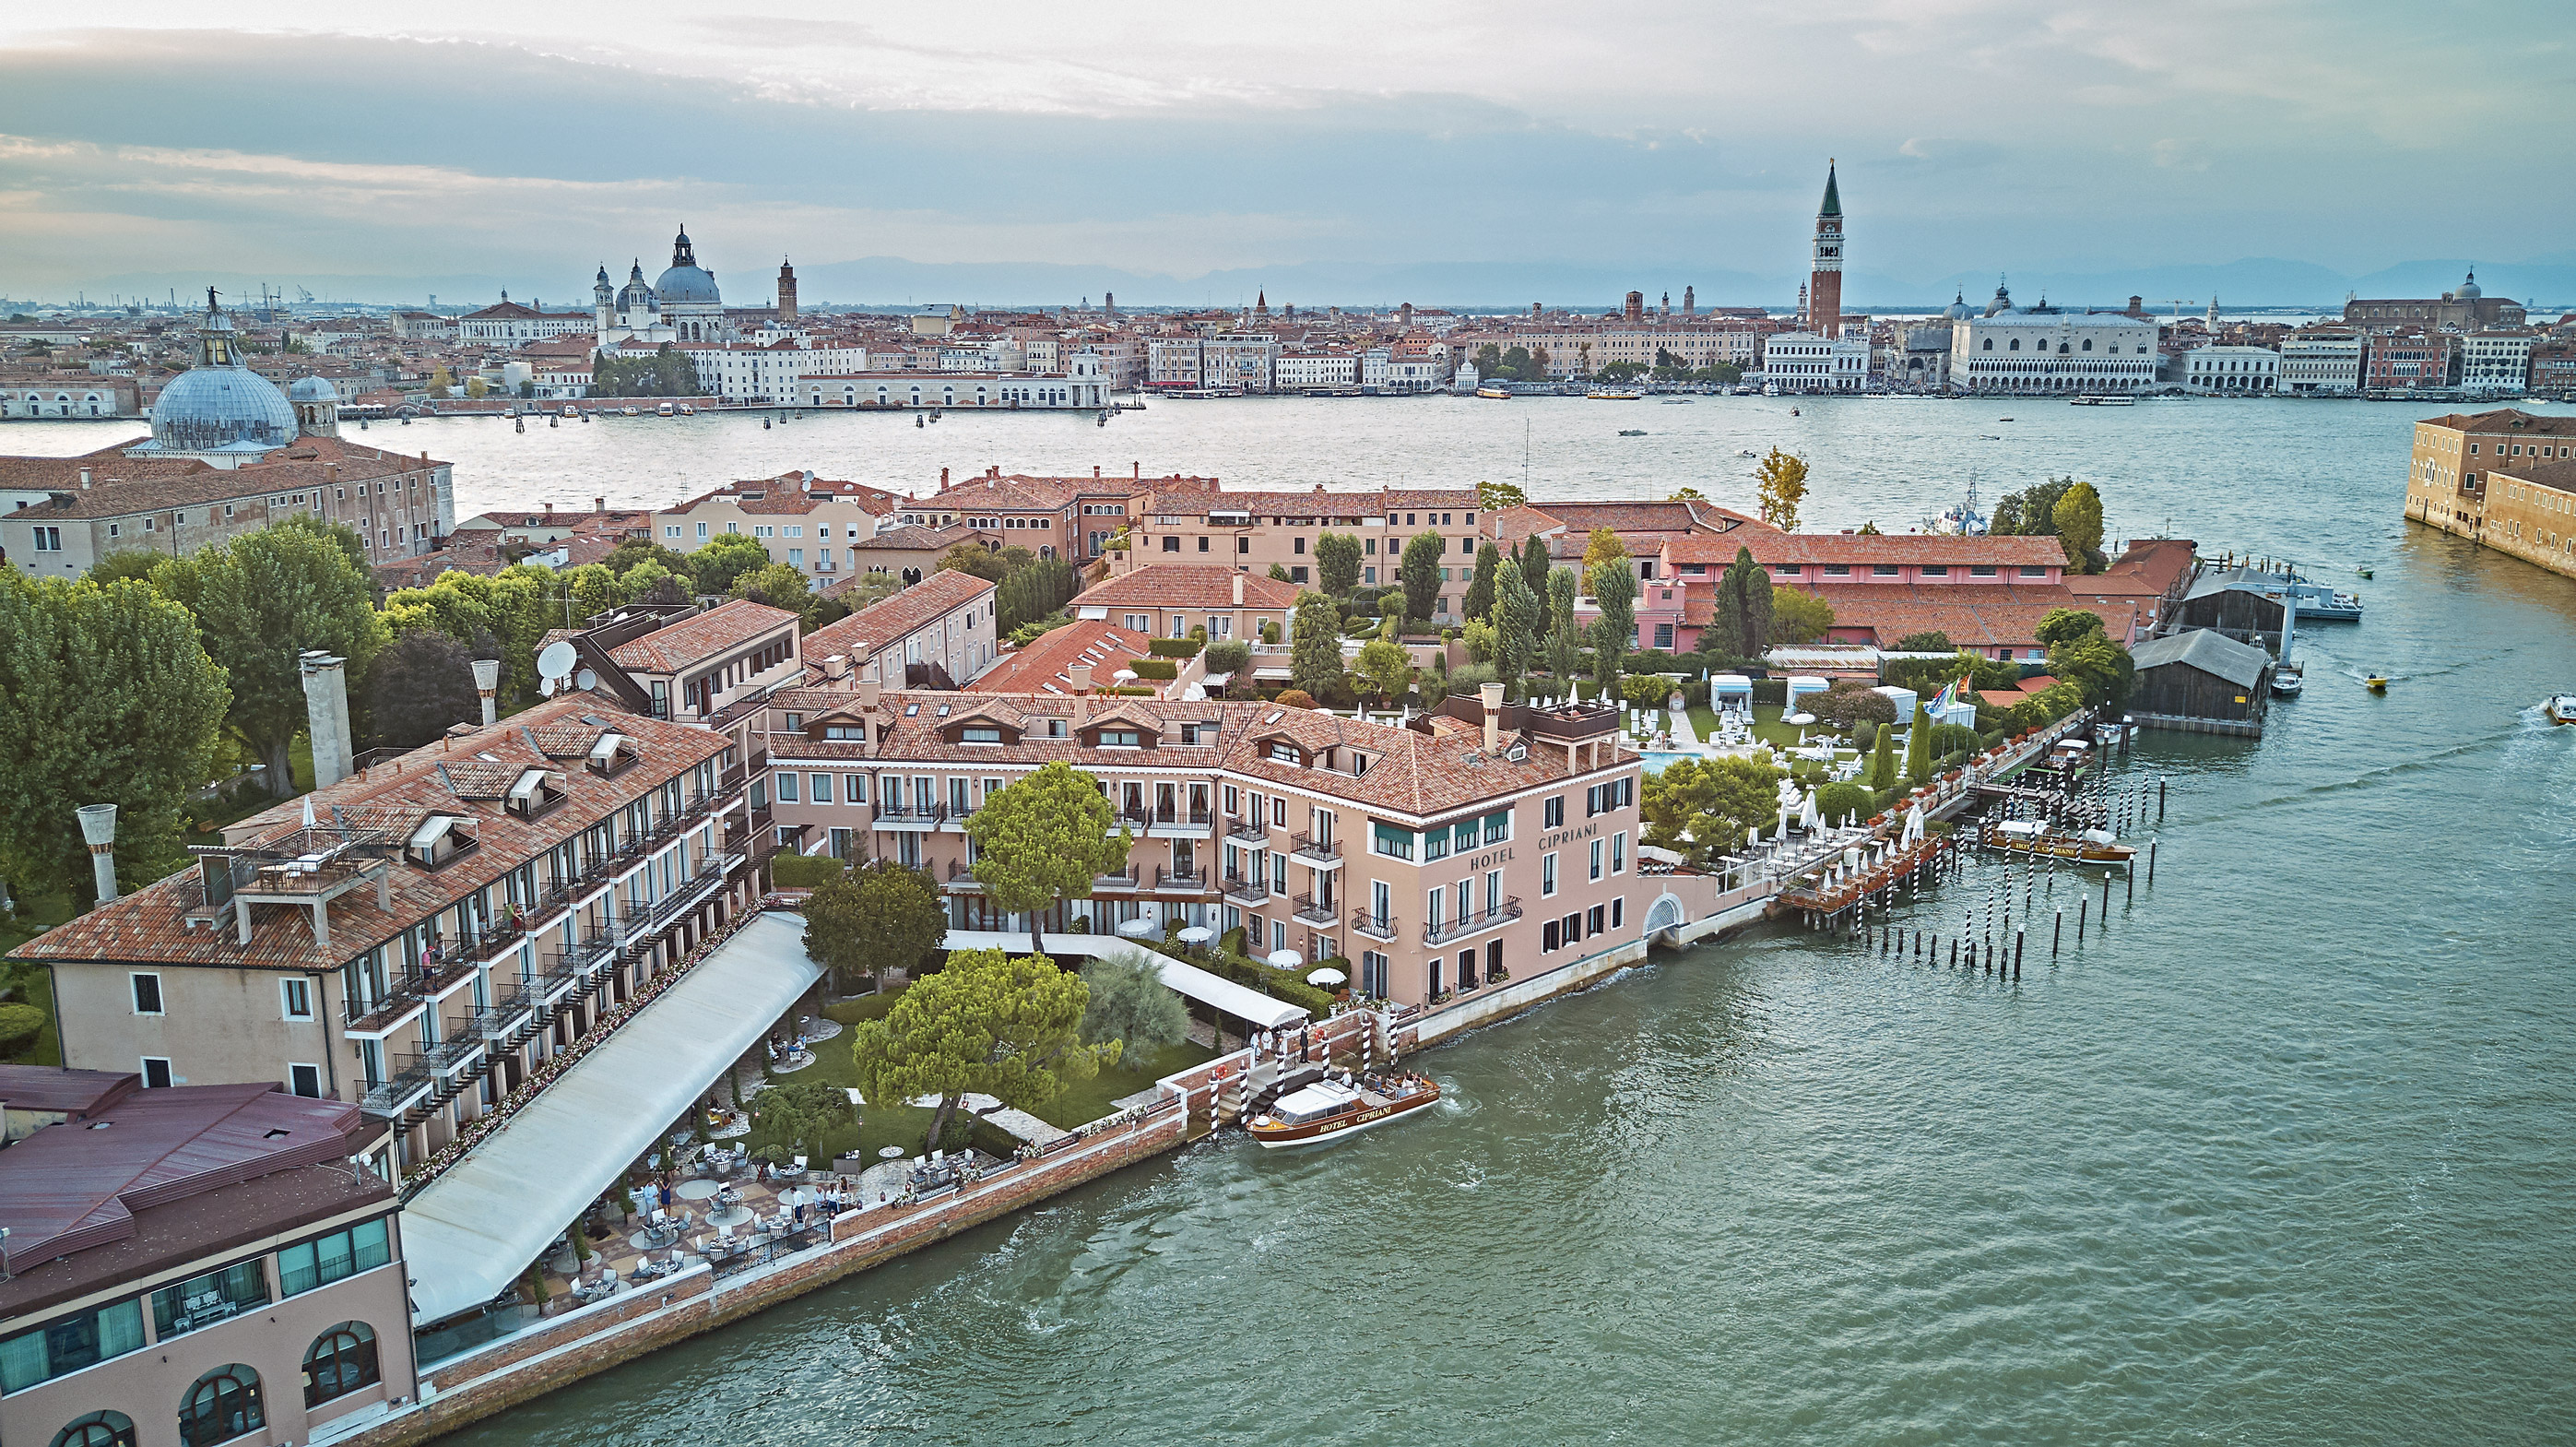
<point x="2241" y="603"/>
<point x="2201" y="681"/>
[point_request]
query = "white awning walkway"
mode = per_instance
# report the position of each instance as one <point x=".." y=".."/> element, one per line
<point x="1241" y="1001"/>
<point x="474" y="1230"/>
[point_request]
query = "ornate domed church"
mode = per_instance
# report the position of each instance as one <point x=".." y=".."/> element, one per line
<point x="681" y="306"/>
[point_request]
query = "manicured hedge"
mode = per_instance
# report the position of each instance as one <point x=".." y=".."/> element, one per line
<point x="805" y="871"/>
<point x="1176" y="647"/>
<point x="1162" y="668"/>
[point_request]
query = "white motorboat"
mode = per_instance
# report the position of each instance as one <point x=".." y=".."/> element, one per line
<point x="2560" y="708"/>
<point x="2287" y="681"/>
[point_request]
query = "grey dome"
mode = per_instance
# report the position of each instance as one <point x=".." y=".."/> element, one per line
<point x="687" y="284"/>
<point x="2469" y="290"/>
<point x="1958" y="310"/>
<point x="312" y="389"/>
<point x="222" y="409"/>
<point x="635" y="296"/>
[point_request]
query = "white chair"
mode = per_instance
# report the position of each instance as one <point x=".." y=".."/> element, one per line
<point x="800" y="1163"/>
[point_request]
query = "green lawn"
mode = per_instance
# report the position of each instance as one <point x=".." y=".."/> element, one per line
<point x="1766" y="726"/>
<point x="1084" y="1101"/>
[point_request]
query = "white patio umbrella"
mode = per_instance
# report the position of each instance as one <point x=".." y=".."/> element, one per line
<point x="1137" y="928"/>
<point x="1325" y="976"/>
<point x="1914" y="825"/>
<point x="1286" y="959"/>
<point x="1197" y="934"/>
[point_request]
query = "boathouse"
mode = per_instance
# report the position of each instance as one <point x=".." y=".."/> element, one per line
<point x="2242" y="603"/>
<point x="2201" y="681"/>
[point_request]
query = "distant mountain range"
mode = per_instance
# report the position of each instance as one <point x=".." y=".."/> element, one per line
<point x="1480" y="285"/>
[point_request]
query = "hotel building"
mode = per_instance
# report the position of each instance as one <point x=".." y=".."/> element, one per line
<point x="2505" y="479"/>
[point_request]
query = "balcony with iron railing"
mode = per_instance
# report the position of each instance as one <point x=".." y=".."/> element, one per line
<point x="1310" y="910"/>
<point x="1247" y="831"/>
<point x="1177" y="822"/>
<point x="455" y="1053"/>
<point x="408" y="1085"/>
<point x="1248" y="890"/>
<point x="961" y="875"/>
<point x="1443" y="932"/>
<point x="1316" y="853"/>
<point x="509" y="1004"/>
<point x="1129" y="878"/>
<point x="1186" y="881"/>
<point x="1375" y="926"/>
<point x="911" y="816"/>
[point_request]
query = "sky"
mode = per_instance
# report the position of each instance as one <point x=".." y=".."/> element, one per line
<point x="1332" y="151"/>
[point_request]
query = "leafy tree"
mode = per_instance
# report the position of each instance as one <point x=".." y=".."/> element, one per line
<point x="440" y="383"/>
<point x="879" y="916"/>
<point x="2031" y="512"/>
<point x="1422" y="554"/>
<point x="1564" y="652"/>
<point x="1918" y="747"/>
<point x="1837" y="802"/>
<point x="2065" y="625"/>
<point x="665" y="373"/>
<point x="1519" y="617"/>
<point x="1279" y="572"/>
<point x="1229" y="655"/>
<point x="2078" y="515"/>
<point x="1386" y="668"/>
<point x="1480" y="589"/>
<point x="1045" y="839"/>
<point x="1780" y="482"/>
<point x="107" y="696"/>
<point x="975" y="559"/>
<point x="136" y="563"/>
<point x="2100" y="668"/>
<point x="779" y="585"/>
<point x="1132" y="1008"/>
<point x="1489" y="360"/>
<point x="1315" y="647"/>
<point x="1741" y="627"/>
<point x="869" y="589"/>
<point x="632" y="551"/>
<point x="1296" y="698"/>
<point x="1496" y="496"/>
<point x="1563" y="586"/>
<point x="1534" y="563"/>
<point x="794" y="1115"/>
<point x="1601" y="546"/>
<point x="1482" y="639"/>
<point x="1937" y="641"/>
<point x="421" y="684"/>
<point x="1337" y="562"/>
<point x="1620" y="371"/>
<point x="476" y="388"/>
<point x="726" y="557"/>
<point x="1798" y="616"/>
<point x="1033" y="592"/>
<point x="1691" y="494"/>
<point x="1867" y="530"/>
<point x="1518" y="366"/>
<point x="1646" y="690"/>
<point x="985" y="1024"/>
<point x="261" y="600"/>
<point x="1882" y="759"/>
<point x="1614" y="591"/>
<point x="1704" y="807"/>
<point x="1850" y="701"/>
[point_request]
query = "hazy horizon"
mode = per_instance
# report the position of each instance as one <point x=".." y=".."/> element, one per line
<point x="1470" y="155"/>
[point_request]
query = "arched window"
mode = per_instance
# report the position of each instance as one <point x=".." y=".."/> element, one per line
<point x="1990" y="344"/>
<point x="2063" y="349"/>
<point x="2088" y="344"/>
<point x="2016" y="345"/>
<point x="339" y="1362"/>
<point x="222" y="1405"/>
<point x="98" y="1429"/>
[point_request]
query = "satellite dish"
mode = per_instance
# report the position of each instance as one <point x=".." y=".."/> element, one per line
<point x="586" y="679"/>
<point x="556" y="659"/>
<point x="546" y="686"/>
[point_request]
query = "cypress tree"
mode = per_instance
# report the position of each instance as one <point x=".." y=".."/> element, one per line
<point x="1534" y="564"/>
<point x="1882" y="763"/>
<point x="1480" y="592"/>
<point x="1918" y="747"/>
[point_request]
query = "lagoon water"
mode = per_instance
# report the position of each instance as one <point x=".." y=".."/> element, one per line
<point x="2287" y="1158"/>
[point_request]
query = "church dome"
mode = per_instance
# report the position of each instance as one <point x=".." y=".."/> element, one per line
<point x="312" y="389"/>
<point x="687" y="284"/>
<point x="219" y="405"/>
<point x="1958" y="309"/>
<point x="686" y="281"/>
<point x="2469" y="289"/>
<point x="635" y="296"/>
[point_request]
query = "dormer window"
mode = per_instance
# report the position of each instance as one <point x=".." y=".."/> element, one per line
<point x="1120" y="739"/>
<point x="613" y="752"/>
<point x="1286" y="753"/>
<point x="535" y="792"/>
<point x="440" y="838"/>
<point x="853" y="733"/>
<point x="974" y="735"/>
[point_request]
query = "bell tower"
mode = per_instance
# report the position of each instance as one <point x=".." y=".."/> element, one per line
<point x="786" y="291"/>
<point x="1825" y="274"/>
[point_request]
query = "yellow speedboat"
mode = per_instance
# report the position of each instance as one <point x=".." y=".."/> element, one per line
<point x="2375" y="683"/>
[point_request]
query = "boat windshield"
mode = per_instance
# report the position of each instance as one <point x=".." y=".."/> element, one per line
<point x="1313" y="1103"/>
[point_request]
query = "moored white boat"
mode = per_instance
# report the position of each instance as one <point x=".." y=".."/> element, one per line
<point x="1332" y="1108"/>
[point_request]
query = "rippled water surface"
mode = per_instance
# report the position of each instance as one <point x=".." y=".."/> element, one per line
<point x="2287" y="1158"/>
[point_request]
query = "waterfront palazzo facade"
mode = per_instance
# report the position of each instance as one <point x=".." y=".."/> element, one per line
<point x="2505" y="479"/>
<point x="1483" y="842"/>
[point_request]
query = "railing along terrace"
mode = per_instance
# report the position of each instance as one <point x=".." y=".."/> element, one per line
<point x="1465" y="925"/>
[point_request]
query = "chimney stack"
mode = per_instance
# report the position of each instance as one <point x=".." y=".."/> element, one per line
<point x="870" y="691"/>
<point x="599" y="504"/>
<point x="1080" y="677"/>
<point x="1238" y="588"/>
<point x="487" y="680"/>
<point x="326" y="716"/>
<point x="1492" y="696"/>
<point x="98" y="829"/>
<point x="837" y="666"/>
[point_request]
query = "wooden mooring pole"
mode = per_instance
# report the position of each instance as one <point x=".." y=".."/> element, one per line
<point x="2017" y="946"/>
<point x="2151" y="863"/>
<point x="2058" y="939"/>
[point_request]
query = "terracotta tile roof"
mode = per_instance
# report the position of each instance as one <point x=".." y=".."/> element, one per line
<point x="1411" y="774"/>
<point x="121" y="485"/>
<point x="1983" y="617"/>
<point x="1674" y="516"/>
<point x="1772" y="547"/>
<point x="1187" y="585"/>
<point x="150" y="925"/>
<point x="2148" y="567"/>
<point x="863" y="634"/>
<point x="913" y="537"/>
<point x="2507" y="419"/>
<point x="700" y="636"/>
<point x="794" y="492"/>
<point x="1105" y="646"/>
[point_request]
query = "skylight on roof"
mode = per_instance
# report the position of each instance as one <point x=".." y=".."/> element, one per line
<point x="912" y="710"/>
<point x="943" y="710"/>
<point x="1276" y="717"/>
